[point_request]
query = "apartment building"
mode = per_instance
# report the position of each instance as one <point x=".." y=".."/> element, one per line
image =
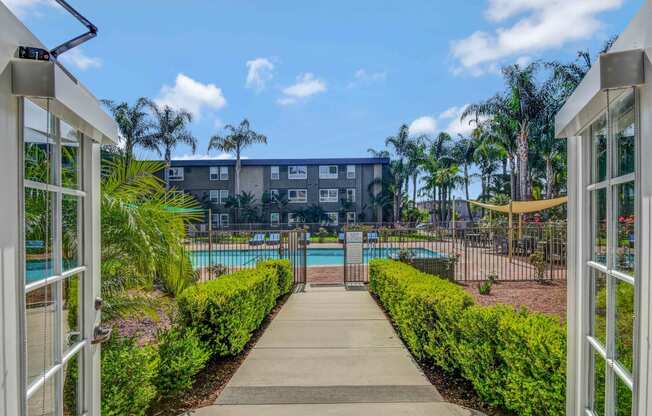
<point x="342" y="187"/>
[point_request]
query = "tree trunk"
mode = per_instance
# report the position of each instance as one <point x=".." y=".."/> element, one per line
<point x="168" y="164"/>
<point x="523" y="172"/>
<point x="466" y="190"/>
<point x="237" y="172"/>
<point x="512" y="184"/>
<point x="415" y="178"/>
<point x="549" y="178"/>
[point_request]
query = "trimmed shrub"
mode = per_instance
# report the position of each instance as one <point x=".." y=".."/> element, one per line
<point x="181" y="356"/>
<point x="127" y="374"/>
<point x="514" y="359"/>
<point x="224" y="312"/>
<point x="284" y="274"/>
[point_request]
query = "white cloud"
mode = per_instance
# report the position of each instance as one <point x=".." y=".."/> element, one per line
<point x="423" y="125"/>
<point x="191" y="95"/>
<point x="306" y="86"/>
<point x="78" y="59"/>
<point x="22" y="8"/>
<point x="364" y="77"/>
<point x="259" y="72"/>
<point x="449" y="119"/>
<point x="540" y="25"/>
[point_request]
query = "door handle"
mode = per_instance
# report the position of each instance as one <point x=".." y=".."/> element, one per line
<point x="101" y="335"/>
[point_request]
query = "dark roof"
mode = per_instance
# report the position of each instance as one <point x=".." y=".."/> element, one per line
<point x="278" y="162"/>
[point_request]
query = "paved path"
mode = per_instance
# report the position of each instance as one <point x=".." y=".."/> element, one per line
<point x="332" y="352"/>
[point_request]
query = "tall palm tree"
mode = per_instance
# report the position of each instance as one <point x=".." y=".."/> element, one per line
<point x="236" y="139"/>
<point x="135" y="126"/>
<point x="171" y="130"/>
<point x="415" y="154"/>
<point x="521" y="106"/>
<point x="463" y="152"/>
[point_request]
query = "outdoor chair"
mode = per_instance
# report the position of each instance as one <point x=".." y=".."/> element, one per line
<point x="372" y="237"/>
<point x="341" y="237"/>
<point x="257" y="239"/>
<point x="307" y="237"/>
<point x="274" y="238"/>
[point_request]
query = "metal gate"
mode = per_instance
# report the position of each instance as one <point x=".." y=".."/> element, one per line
<point x="355" y="264"/>
<point x="295" y="251"/>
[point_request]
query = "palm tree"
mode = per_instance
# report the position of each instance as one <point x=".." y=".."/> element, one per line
<point x="520" y="106"/>
<point x="415" y="154"/>
<point x="463" y="152"/>
<point x="134" y="125"/>
<point x="171" y="131"/>
<point x="237" y="139"/>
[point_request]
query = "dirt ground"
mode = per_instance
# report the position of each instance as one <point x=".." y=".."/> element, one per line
<point x="548" y="298"/>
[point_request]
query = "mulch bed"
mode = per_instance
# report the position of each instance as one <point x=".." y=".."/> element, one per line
<point x="548" y="298"/>
<point x="213" y="378"/>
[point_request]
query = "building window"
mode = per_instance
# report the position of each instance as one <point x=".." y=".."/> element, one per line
<point x="297" y="196"/>
<point x="224" y="173"/>
<point x="224" y="195"/>
<point x="328" y="195"/>
<point x="297" y="172"/>
<point x="612" y="261"/>
<point x="275" y="175"/>
<point x="350" y="217"/>
<point x="328" y="172"/>
<point x="214" y="173"/>
<point x="175" y="174"/>
<point x="350" y="195"/>
<point x="214" y="196"/>
<point x="274" y="194"/>
<point x="332" y="218"/>
<point x="350" y="171"/>
<point x="294" y="218"/>
<point x="224" y="220"/>
<point x="275" y="218"/>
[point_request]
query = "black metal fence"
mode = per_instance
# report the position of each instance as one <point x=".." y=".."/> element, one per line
<point x="461" y="253"/>
<point x="218" y="252"/>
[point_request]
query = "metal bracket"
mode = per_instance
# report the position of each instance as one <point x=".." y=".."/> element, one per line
<point x="101" y="335"/>
<point x="92" y="31"/>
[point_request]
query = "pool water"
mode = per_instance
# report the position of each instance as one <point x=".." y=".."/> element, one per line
<point x="314" y="256"/>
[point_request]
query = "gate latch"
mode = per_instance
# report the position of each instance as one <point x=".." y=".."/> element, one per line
<point x="101" y="335"/>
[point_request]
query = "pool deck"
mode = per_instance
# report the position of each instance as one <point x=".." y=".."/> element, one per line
<point x="330" y="351"/>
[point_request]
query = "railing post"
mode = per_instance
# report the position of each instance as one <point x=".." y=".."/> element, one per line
<point x="210" y="243"/>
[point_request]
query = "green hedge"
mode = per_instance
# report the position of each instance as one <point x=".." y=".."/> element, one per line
<point x="224" y="312"/>
<point x="128" y="371"/>
<point x="514" y="359"/>
<point x="284" y="274"/>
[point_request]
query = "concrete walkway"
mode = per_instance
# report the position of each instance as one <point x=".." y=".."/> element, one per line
<point x="332" y="352"/>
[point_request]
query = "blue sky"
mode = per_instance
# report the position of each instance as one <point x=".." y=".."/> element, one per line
<point x="320" y="79"/>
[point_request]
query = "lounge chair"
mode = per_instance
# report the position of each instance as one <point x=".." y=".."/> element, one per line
<point x="372" y="237"/>
<point x="307" y="238"/>
<point x="274" y="238"/>
<point x="341" y="237"/>
<point x="257" y="239"/>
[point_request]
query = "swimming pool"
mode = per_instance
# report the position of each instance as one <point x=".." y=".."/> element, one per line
<point x="314" y="256"/>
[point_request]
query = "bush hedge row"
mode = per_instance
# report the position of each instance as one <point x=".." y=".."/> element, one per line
<point x="224" y="312"/>
<point x="513" y="358"/>
<point x="216" y="318"/>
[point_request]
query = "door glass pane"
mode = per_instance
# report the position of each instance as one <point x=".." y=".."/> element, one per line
<point x="39" y="331"/>
<point x="71" y="390"/>
<point x="599" y="305"/>
<point x="625" y="210"/>
<point x="42" y="402"/>
<point x="70" y="151"/>
<point x="623" y="122"/>
<point x="71" y="226"/>
<point x="39" y="231"/>
<point x="598" y="379"/>
<point x="599" y="226"/>
<point x="624" y="323"/>
<point x="623" y="398"/>
<point x="39" y="144"/>
<point x="599" y="150"/>
<point x="71" y="311"/>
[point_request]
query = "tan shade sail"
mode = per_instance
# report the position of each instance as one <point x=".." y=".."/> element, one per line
<point x="524" y="207"/>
